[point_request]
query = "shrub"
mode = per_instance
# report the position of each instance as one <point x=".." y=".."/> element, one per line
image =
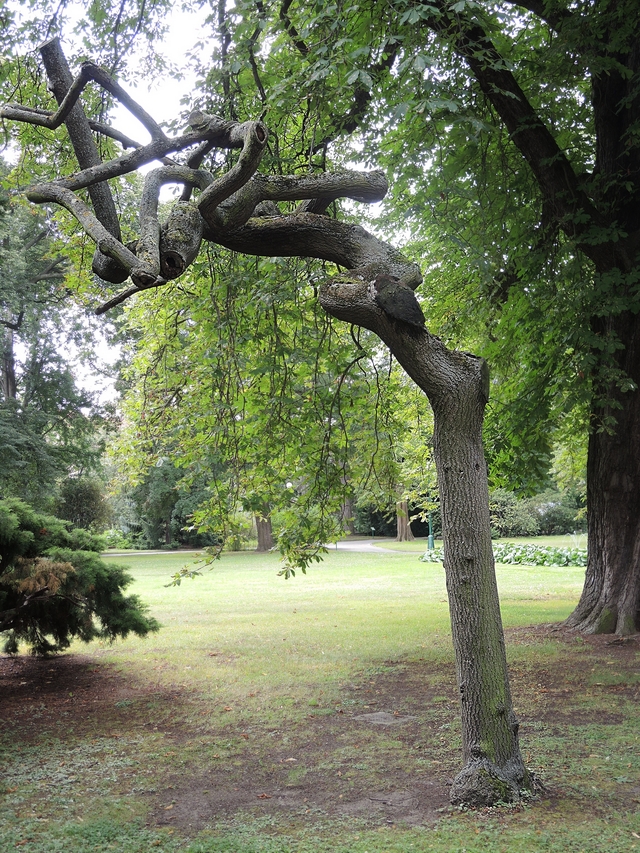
<point x="528" y="555"/>
<point x="511" y="516"/>
<point x="54" y="586"/>
<point x="557" y="512"/>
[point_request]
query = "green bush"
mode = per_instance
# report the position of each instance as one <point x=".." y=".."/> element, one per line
<point x="557" y="512"/>
<point x="528" y="555"/>
<point x="511" y="516"/>
<point x="54" y="586"/>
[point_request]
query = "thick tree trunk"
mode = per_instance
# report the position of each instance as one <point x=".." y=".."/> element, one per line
<point x="403" y="524"/>
<point x="610" y="601"/>
<point x="265" y="533"/>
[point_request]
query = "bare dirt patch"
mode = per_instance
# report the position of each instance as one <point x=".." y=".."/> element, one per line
<point x="385" y="754"/>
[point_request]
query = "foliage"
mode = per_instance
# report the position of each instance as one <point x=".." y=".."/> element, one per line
<point x="54" y="586"/>
<point x="243" y="397"/>
<point x="557" y="512"/>
<point x="82" y="502"/>
<point x="536" y="555"/>
<point x="529" y="555"/>
<point x="49" y="427"/>
<point x="510" y="516"/>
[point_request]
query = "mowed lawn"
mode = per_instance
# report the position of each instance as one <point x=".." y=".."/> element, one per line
<point x="251" y="671"/>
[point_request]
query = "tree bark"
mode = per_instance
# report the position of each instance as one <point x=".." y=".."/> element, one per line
<point x="457" y="387"/>
<point x="610" y="601"/>
<point x="403" y="524"/>
<point x="265" y="533"/>
<point x="493" y="766"/>
<point x="347" y="516"/>
<point x="8" y="376"/>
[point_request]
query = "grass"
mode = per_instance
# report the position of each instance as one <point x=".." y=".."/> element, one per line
<point x="246" y="662"/>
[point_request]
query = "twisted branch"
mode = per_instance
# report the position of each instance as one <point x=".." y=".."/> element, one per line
<point x="227" y="209"/>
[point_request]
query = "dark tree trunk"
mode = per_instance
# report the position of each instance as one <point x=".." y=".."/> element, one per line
<point x="265" y="533"/>
<point x="610" y="600"/>
<point x="403" y="524"/>
<point x="8" y="377"/>
<point x="346" y="516"/>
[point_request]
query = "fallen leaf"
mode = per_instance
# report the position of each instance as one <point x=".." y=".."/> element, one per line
<point x="227" y="708"/>
<point x="166" y="808"/>
<point x="264" y="796"/>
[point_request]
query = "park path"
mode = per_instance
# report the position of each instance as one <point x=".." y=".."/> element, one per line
<point x="363" y="545"/>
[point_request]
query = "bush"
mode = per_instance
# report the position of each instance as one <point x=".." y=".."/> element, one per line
<point x="82" y="502"/>
<point x="511" y="516"/>
<point x="557" y="513"/>
<point x="528" y="555"/>
<point x="54" y="586"/>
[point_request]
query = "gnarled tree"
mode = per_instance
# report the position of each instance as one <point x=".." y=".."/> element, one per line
<point x="375" y="290"/>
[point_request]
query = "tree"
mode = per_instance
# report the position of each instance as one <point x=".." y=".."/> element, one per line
<point x="221" y="387"/>
<point x="376" y="292"/>
<point x="54" y="586"/>
<point x="516" y="124"/>
<point x="48" y="425"/>
<point x="83" y="503"/>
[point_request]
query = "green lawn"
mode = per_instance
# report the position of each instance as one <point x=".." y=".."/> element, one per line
<point x="250" y="671"/>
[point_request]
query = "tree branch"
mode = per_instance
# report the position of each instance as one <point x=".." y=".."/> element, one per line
<point x="559" y="184"/>
<point x="66" y="92"/>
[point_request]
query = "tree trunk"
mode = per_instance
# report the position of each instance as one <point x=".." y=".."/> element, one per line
<point x="457" y="385"/>
<point x="610" y="601"/>
<point x="8" y="377"/>
<point x="346" y="516"/>
<point x="493" y="766"/>
<point x="403" y="524"/>
<point x="265" y="533"/>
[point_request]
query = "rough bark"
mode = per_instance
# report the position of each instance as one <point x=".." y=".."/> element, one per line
<point x="610" y="600"/>
<point x="265" y="533"/>
<point x="403" y="524"/>
<point x="457" y="387"/>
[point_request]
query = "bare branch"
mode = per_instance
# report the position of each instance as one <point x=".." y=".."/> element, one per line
<point x="62" y="84"/>
<point x="290" y="29"/>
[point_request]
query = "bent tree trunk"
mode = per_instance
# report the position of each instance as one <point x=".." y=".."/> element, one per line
<point x="457" y="387"/>
<point x="376" y="294"/>
<point x="610" y="600"/>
